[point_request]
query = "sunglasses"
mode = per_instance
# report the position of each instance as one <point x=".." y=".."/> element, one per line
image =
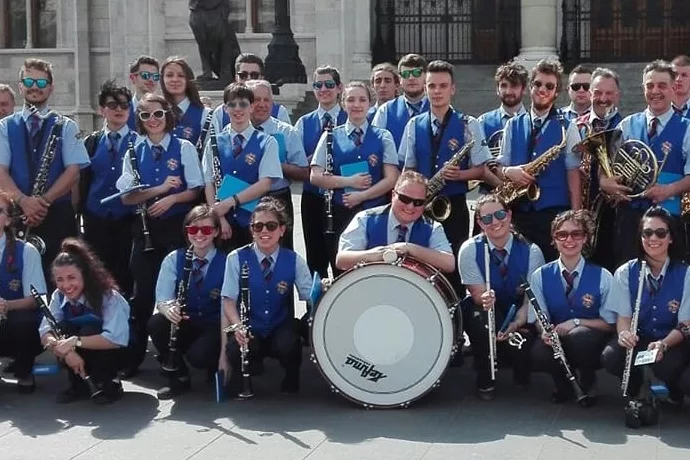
<point x="149" y="75"/>
<point x="114" y="105"/>
<point x="235" y="104"/>
<point x="157" y="114"/>
<point x="579" y="86"/>
<point x="416" y="202"/>
<point x="563" y="235"/>
<point x="660" y="233"/>
<point x="486" y="219"/>
<point x="549" y="86"/>
<point x="416" y="72"/>
<point x="204" y="229"/>
<point x="39" y="82"/>
<point x="271" y="226"/>
<point x="329" y="84"/>
<point x="246" y="75"/>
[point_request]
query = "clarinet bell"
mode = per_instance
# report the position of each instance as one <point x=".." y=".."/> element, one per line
<point x="148" y="243"/>
<point x="94" y="391"/>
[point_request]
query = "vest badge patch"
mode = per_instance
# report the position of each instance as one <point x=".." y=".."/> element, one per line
<point x="214" y="294"/>
<point x="14" y="285"/>
<point x="666" y="147"/>
<point x="453" y="144"/>
<point x="587" y="300"/>
<point x="373" y="160"/>
<point x="188" y="132"/>
<point x="282" y="287"/>
<point x="673" y="306"/>
<point x="172" y="164"/>
<point x="250" y="159"/>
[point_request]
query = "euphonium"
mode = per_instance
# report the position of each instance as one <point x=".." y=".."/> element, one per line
<point x="438" y="207"/>
<point x="509" y="191"/>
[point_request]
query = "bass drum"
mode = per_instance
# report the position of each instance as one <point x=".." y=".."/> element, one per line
<point x="383" y="334"/>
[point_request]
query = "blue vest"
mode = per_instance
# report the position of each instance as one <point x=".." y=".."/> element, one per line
<point x="311" y="133"/>
<point x="377" y="228"/>
<point x="584" y="301"/>
<point x="20" y="149"/>
<point x="455" y="131"/>
<point x="204" y="302"/>
<point x="659" y="313"/>
<point x="189" y="127"/>
<point x="553" y="181"/>
<point x="398" y="114"/>
<point x="154" y="173"/>
<point x="506" y="289"/>
<point x="11" y="286"/>
<point x="370" y="113"/>
<point x="371" y="150"/>
<point x="106" y="169"/>
<point x="244" y="167"/>
<point x="274" y="110"/>
<point x="671" y="137"/>
<point x="492" y="121"/>
<point x="132" y="120"/>
<point x="269" y="300"/>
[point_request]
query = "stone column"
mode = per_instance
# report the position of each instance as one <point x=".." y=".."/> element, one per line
<point x="83" y="113"/>
<point x="539" y="25"/>
<point x="29" y="25"/>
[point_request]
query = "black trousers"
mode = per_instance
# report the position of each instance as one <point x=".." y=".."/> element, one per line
<point x="283" y="344"/>
<point x="19" y="339"/>
<point x="167" y="236"/>
<point x="684" y="382"/>
<point x="457" y="229"/>
<point x="536" y="227"/>
<point x="60" y="223"/>
<point x="582" y="346"/>
<point x="475" y="321"/>
<point x="313" y="226"/>
<point x="111" y="239"/>
<point x="197" y="341"/>
<point x="341" y="218"/>
<point x="604" y="254"/>
<point x="285" y="196"/>
<point x="101" y="365"/>
<point x="668" y="370"/>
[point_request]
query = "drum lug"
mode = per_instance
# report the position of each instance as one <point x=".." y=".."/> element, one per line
<point x="437" y="383"/>
<point x="404" y="405"/>
<point x="334" y="390"/>
<point x="312" y="358"/>
<point x="432" y="279"/>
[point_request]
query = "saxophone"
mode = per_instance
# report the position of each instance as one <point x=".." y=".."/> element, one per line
<point x="509" y="191"/>
<point x="41" y="181"/>
<point x="171" y="360"/>
<point x="438" y="207"/>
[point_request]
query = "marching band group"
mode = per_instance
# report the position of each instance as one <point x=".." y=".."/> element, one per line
<point x="579" y="245"/>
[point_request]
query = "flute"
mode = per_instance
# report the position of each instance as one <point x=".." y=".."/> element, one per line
<point x="491" y="313"/>
<point x="630" y="352"/>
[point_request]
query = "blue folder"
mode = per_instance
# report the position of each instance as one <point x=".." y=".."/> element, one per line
<point x="672" y="205"/>
<point x="220" y="386"/>
<point x="282" y="148"/>
<point x="361" y="167"/>
<point x="315" y="292"/>
<point x="232" y="186"/>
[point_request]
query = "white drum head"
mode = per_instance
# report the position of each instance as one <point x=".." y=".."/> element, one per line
<point x="382" y="335"/>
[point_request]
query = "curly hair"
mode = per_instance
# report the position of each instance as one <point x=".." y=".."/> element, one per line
<point x="583" y="219"/>
<point x="98" y="281"/>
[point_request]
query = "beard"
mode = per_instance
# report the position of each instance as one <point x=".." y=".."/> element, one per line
<point x="510" y="100"/>
<point x="539" y="106"/>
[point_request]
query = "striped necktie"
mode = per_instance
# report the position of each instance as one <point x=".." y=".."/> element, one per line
<point x="654" y="284"/>
<point x="34" y="126"/>
<point x="197" y="273"/>
<point x="237" y="145"/>
<point x="157" y="152"/>
<point x="653" y="125"/>
<point x="356" y="136"/>
<point x="113" y="139"/>
<point x="500" y="256"/>
<point x="402" y="233"/>
<point x="569" y="282"/>
<point x="266" y="267"/>
<point x="327" y="121"/>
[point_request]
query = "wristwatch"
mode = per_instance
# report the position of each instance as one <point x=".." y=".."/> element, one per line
<point x="576" y="322"/>
<point x="79" y="343"/>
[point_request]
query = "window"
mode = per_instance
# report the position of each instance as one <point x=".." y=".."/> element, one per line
<point x="36" y="28"/>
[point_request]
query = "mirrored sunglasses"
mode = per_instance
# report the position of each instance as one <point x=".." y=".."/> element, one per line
<point x="416" y="72"/>
<point x="155" y="76"/>
<point x="329" y="84"/>
<point x="39" y="82"/>
<point x="486" y="219"/>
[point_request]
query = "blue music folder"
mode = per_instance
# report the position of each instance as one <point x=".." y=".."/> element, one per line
<point x="672" y="205"/>
<point x="315" y="292"/>
<point x="232" y="186"/>
<point x="220" y="386"/>
<point x="361" y="167"/>
<point x="282" y="147"/>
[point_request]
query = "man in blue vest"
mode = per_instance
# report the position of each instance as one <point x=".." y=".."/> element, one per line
<point x="579" y="83"/>
<point x="511" y="83"/>
<point x="144" y="74"/>
<point x="394" y="115"/>
<point x="681" y="88"/>
<point x="6" y="100"/>
<point x="23" y="141"/>
<point x="385" y="80"/>
<point x="397" y="228"/>
<point x="529" y="136"/>
<point x="668" y="136"/>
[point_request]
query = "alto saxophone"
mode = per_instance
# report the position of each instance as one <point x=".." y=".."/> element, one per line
<point x="630" y="352"/>
<point x="509" y="191"/>
<point x="170" y="363"/>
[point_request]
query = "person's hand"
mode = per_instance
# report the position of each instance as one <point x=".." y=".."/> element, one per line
<point x="546" y="337"/>
<point x="34" y="208"/>
<point x="660" y="347"/>
<point x="224" y="206"/>
<point x="612" y="187"/>
<point x="76" y="363"/>
<point x="3" y="307"/>
<point x="171" y="183"/>
<point x="65" y="346"/>
<point x="518" y="176"/>
<point x="502" y="336"/>
<point x="488" y="299"/>
<point x="659" y="193"/>
<point x="627" y="339"/>
<point x="172" y="312"/>
<point x="225" y="228"/>
<point x="452" y="173"/>
<point x="241" y="337"/>
<point x="161" y="206"/>
<point x="565" y="327"/>
<point x="360" y="181"/>
<point x="353" y="199"/>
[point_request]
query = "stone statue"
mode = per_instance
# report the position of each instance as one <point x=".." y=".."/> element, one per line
<point x="218" y="46"/>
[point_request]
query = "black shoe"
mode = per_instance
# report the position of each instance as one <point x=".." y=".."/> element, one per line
<point x="675" y="398"/>
<point x="486" y="393"/>
<point x="26" y="385"/>
<point x="128" y="374"/>
<point x="9" y="367"/>
<point x="632" y="414"/>
<point x="290" y="385"/>
<point x="587" y="401"/>
<point x="175" y="388"/>
<point x="112" y="391"/>
<point x="71" y="394"/>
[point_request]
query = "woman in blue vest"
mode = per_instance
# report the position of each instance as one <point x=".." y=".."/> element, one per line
<point x="664" y="306"/>
<point x="512" y="259"/>
<point x="169" y="166"/>
<point x="198" y="340"/>
<point x="364" y="164"/>
<point x="94" y="317"/>
<point x="273" y="273"/>
<point x="575" y="294"/>
<point x="20" y="267"/>
<point x="180" y="90"/>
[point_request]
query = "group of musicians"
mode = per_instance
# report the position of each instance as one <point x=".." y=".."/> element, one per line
<point x="390" y="174"/>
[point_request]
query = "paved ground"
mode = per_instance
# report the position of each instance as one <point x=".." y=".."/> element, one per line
<point x="449" y="424"/>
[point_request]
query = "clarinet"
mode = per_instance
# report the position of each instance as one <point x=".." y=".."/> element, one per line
<point x="202" y="136"/>
<point x="328" y="194"/>
<point x="244" y="309"/>
<point x="629" y="353"/>
<point x="142" y="208"/>
<point x="491" y="314"/>
<point x="60" y="335"/>
<point x="216" y="168"/>
<point x="170" y="363"/>
<point x="582" y="398"/>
